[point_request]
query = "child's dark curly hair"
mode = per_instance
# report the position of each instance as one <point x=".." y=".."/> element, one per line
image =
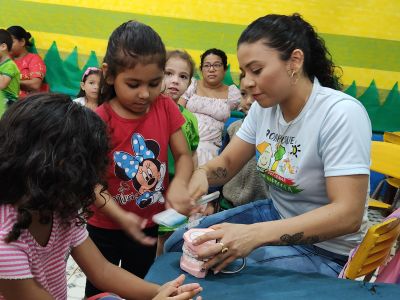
<point x="53" y="152"/>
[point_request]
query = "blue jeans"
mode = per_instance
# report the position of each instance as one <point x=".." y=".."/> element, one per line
<point x="300" y="258"/>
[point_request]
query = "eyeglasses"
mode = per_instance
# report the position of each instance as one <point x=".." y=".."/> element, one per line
<point x="216" y="66"/>
<point x="88" y="70"/>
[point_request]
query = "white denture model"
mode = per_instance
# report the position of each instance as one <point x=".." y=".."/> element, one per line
<point x="189" y="261"/>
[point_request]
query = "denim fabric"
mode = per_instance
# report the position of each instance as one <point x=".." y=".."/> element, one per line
<point x="300" y="258"/>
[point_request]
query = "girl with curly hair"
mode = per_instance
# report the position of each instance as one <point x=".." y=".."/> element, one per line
<point x="52" y="156"/>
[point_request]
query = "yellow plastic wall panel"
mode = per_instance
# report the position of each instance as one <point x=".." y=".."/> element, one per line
<point x="373" y="18"/>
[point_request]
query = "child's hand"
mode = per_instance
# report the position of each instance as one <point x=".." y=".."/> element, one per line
<point x="179" y="198"/>
<point x="174" y="290"/>
<point x="209" y="209"/>
<point x="133" y="225"/>
<point x="198" y="187"/>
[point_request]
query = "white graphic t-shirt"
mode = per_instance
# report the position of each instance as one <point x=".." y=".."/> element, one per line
<point x="330" y="137"/>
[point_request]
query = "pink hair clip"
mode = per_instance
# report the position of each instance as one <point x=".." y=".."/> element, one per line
<point x="86" y="73"/>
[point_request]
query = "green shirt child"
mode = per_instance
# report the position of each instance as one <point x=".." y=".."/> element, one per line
<point x="10" y="93"/>
<point x="191" y="132"/>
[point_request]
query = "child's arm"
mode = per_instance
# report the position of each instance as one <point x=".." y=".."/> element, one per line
<point x="131" y="223"/>
<point x="182" y="101"/>
<point x="178" y="193"/>
<point x="195" y="160"/>
<point x="17" y="289"/>
<point x="111" y="278"/>
<point x="31" y="85"/>
<point x="4" y="81"/>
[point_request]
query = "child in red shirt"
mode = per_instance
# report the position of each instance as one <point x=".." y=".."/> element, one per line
<point x="141" y="123"/>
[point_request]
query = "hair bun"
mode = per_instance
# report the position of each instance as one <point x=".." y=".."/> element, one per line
<point x="28" y="35"/>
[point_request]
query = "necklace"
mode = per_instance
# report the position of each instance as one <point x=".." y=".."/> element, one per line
<point x="282" y="136"/>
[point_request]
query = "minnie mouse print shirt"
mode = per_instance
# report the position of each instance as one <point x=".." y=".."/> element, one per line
<point x="137" y="174"/>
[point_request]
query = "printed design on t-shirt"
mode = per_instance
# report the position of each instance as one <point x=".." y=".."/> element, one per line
<point x="143" y="169"/>
<point x="277" y="160"/>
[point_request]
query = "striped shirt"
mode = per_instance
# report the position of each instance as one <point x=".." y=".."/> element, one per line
<point x="25" y="258"/>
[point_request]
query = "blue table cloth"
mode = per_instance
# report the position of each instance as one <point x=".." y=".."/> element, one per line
<point x="268" y="283"/>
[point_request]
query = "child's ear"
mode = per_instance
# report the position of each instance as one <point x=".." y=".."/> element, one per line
<point x="108" y="79"/>
<point x="82" y="86"/>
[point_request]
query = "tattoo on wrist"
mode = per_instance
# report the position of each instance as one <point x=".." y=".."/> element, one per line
<point x="218" y="173"/>
<point x="297" y="239"/>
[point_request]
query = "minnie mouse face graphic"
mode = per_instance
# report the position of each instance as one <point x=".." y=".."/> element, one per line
<point x="143" y="169"/>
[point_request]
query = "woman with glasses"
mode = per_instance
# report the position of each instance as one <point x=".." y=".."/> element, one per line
<point x="211" y="101"/>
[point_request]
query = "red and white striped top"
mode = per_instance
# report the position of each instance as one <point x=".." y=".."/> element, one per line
<point x="25" y="258"/>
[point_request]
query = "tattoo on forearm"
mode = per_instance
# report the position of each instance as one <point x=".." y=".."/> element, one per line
<point x="218" y="173"/>
<point x="297" y="239"/>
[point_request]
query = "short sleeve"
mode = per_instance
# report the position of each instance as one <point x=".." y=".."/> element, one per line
<point x="191" y="90"/>
<point x="175" y="117"/>
<point x="14" y="261"/>
<point x="191" y="129"/>
<point x="37" y="67"/>
<point x="247" y="131"/>
<point x="79" y="234"/>
<point x="234" y="97"/>
<point x="9" y="69"/>
<point x="345" y="139"/>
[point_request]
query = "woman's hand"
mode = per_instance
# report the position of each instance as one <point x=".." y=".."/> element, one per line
<point x="179" y="198"/>
<point x="233" y="241"/>
<point x="174" y="290"/>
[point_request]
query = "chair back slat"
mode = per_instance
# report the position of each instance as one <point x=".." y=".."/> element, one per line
<point x="385" y="158"/>
<point x="374" y="249"/>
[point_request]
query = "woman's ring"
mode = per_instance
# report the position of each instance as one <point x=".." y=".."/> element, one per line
<point x="223" y="248"/>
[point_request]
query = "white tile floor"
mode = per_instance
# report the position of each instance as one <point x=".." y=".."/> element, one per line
<point x="76" y="278"/>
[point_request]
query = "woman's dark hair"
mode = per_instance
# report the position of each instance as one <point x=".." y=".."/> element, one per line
<point x="182" y="54"/>
<point x="131" y="43"/>
<point x="5" y="37"/>
<point x="217" y="52"/>
<point x="88" y="72"/>
<point x="287" y="33"/>
<point x="20" y="34"/>
<point x="53" y="152"/>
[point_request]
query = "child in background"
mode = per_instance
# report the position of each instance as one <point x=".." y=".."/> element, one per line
<point x="236" y="191"/>
<point x="47" y="179"/>
<point x="142" y="123"/>
<point x="9" y="73"/>
<point x="89" y="92"/>
<point x="179" y="70"/>
<point x="246" y="185"/>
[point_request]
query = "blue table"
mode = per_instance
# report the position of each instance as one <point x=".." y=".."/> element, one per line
<point x="267" y="283"/>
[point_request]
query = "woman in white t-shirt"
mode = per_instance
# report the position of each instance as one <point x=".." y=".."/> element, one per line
<point x="312" y="146"/>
